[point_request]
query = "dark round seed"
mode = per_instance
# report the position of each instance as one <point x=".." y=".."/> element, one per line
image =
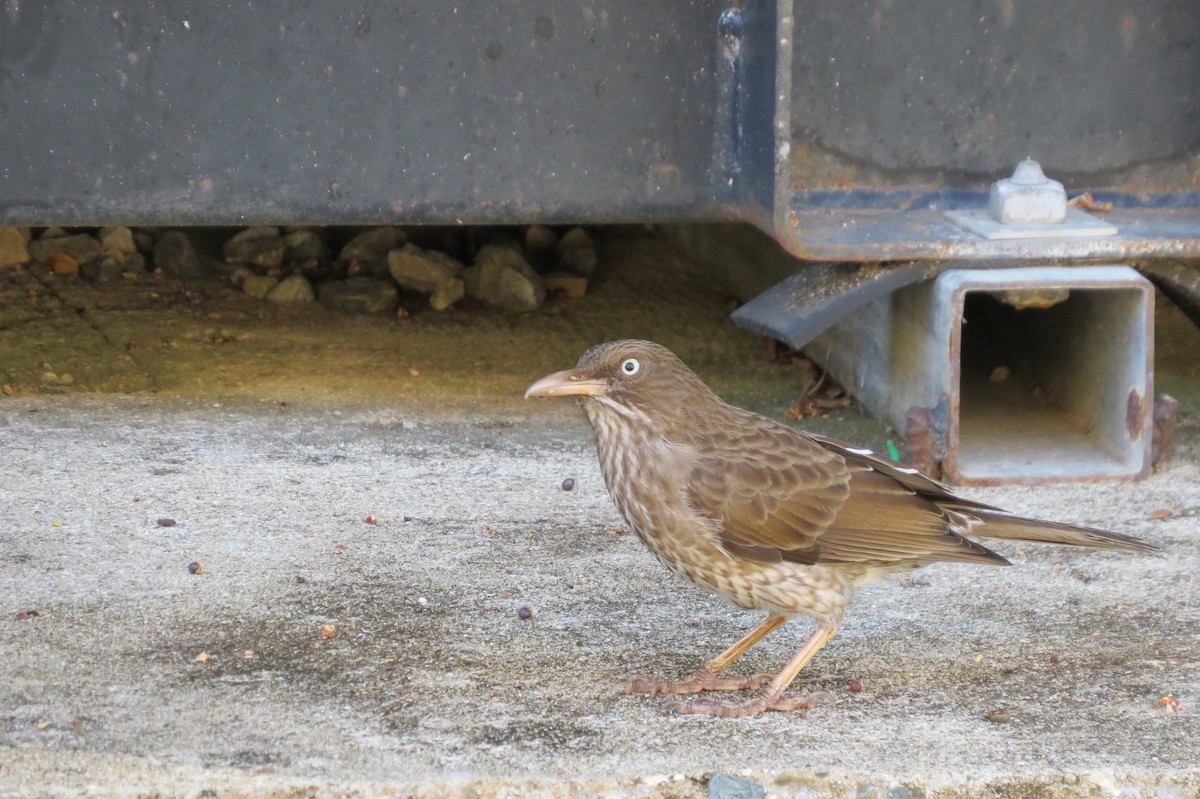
<point x="568" y="484"/>
<point x="195" y="567"/>
<point x="524" y="614"/>
<point x="166" y="522"/>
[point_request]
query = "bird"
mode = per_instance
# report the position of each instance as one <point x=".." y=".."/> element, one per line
<point x="767" y="516"/>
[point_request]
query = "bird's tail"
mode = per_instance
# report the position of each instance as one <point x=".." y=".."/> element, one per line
<point x="1016" y="528"/>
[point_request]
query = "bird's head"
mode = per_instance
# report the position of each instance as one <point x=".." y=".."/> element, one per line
<point x="638" y="376"/>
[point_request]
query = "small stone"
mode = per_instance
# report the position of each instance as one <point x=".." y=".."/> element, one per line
<point x="577" y="253"/>
<point x="292" y="290"/>
<point x="144" y="239"/>
<point x="104" y="269"/>
<point x="203" y="657"/>
<point x="303" y="245"/>
<point x="166" y="522"/>
<point x="12" y="247"/>
<point x="174" y="253"/>
<point x="370" y="248"/>
<point x="80" y="247"/>
<point x="501" y="277"/>
<point x="195" y="567"/>
<point x="580" y="261"/>
<point x="238" y="276"/>
<point x="261" y="246"/>
<point x="422" y="270"/>
<point x="117" y="240"/>
<point x="568" y="484"/>
<point x="573" y="286"/>
<point x="359" y="295"/>
<point x="62" y="264"/>
<point x="539" y="238"/>
<point x="328" y="631"/>
<point x="902" y="792"/>
<point x="258" y="286"/>
<point x="447" y="294"/>
<point x="524" y="613"/>
<point x="134" y="263"/>
<point x="728" y="786"/>
<point x="855" y="687"/>
<point x="575" y="239"/>
<point x="53" y="232"/>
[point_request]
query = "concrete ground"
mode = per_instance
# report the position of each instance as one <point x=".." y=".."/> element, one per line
<point x="138" y="678"/>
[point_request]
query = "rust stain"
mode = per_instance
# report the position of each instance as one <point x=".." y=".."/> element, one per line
<point x="1135" y="414"/>
<point x="1128" y="30"/>
<point x="1007" y="11"/>
<point x="918" y="440"/>
<point x="1166" y="415"/>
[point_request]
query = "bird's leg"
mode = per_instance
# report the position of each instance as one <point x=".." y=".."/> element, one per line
<point x="707" y="678"/>
<point x="772" y="697"/>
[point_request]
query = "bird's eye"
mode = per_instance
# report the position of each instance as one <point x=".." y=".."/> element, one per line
<point x="630" y="366"/>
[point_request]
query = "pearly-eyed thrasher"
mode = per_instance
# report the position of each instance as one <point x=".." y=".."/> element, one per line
<point x="765" y="515"/>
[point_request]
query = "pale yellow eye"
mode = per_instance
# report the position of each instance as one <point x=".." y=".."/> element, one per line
<point x="630" y="366"/>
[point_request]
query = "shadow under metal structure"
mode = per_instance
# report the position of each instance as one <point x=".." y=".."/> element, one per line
<point x="859" y="135"/>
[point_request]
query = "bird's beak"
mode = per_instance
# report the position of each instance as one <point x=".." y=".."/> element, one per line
<point x="565" y="384"/>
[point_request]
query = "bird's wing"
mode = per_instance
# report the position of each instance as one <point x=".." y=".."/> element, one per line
<point x="907" y="476"/>
<point x="770" y="491"/>
<point x="778" y="494"/>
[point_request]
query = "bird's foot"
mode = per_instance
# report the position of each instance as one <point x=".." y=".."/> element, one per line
<point x="769" y="700"/>
<point x="703" y="680"/>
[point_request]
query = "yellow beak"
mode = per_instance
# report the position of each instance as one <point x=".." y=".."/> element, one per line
<point x="566" y="383"/>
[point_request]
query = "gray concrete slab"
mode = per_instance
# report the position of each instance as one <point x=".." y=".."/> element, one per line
<point x="433" y="685"/>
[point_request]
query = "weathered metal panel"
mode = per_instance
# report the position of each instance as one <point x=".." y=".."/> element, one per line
<point x="1101" y="92"/>
<point x="356" y="112"/>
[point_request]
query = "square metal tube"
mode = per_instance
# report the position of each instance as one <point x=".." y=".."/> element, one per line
<point x="1031" y="374"/>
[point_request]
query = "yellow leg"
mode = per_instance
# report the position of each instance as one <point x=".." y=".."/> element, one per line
<point x="706" y="679"/>
<point x="772" y="697"/>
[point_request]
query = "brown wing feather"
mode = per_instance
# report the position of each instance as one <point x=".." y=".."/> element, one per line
<point x="778" y="494"/>
<point x="888" y="522"/>
<point x="769" y="487"/>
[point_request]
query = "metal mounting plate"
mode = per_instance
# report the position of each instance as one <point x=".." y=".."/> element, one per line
<point x="1078" y="223"/>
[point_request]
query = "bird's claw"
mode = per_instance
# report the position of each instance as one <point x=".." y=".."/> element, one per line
<point x="703" y="680"/>
<point x="768" y="701"/>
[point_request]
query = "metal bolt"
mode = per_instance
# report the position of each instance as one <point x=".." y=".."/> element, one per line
<point x="1028" y="197"/>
